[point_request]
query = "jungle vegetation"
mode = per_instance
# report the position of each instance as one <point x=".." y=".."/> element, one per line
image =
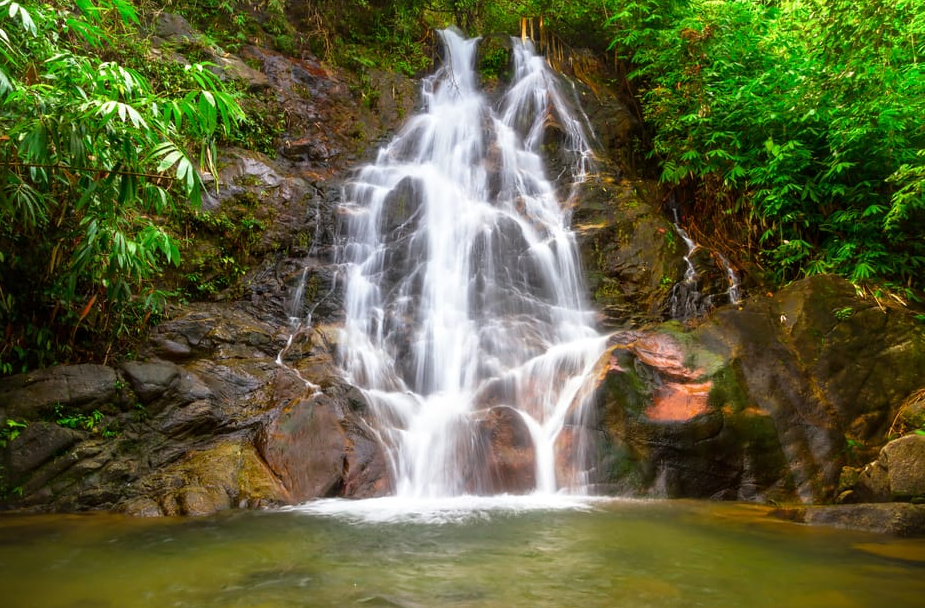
<point x="790" y="130"/>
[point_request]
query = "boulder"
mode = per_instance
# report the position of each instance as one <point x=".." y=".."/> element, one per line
<point x="305" y="446"/>
<point x="72" y="388"/>
<point x="767" y="400"/>
<point x="151" y="379"/>
<point x="38" y="443"/>
<point x="898" y="474"/>
<point x="510" y="453"/>
<point x="226" y="474"/>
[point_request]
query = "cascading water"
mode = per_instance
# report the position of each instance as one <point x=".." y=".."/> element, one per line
<point x="464" y="294"/>
<point x="693" y="296"/>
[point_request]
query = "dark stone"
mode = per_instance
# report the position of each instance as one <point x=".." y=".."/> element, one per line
<point x="196" y="418"/>
<point x="173" y="27"/>
<point x="151" y="379"/>
<point x="174" y="351"/>
<point x="79" y="388"/>
<point x="897" y="519"/>
<point x="38" y="443"/>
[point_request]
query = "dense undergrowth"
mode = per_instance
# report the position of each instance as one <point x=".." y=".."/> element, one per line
<point x="96" y="159"/>
<point x="790" y="130"/>
<point x="791" y="126"/>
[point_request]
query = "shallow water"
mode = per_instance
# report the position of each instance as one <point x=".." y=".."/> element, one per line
<point x="607" y="554"/>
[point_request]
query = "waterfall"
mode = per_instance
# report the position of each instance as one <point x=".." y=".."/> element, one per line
<point x="466" y="324"/>
<point x="697" y="293"/>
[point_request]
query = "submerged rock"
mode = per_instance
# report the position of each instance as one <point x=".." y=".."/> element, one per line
<point x="897" y="519"/>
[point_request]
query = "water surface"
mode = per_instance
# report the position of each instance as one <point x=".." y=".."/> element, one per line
<point x="604" y="554"/>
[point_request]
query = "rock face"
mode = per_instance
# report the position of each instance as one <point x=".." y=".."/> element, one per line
<point x="768" y="400"/>
<point x="510" y="458"/>
<point x="899" y="519"/>
<point x="224" y="426"/>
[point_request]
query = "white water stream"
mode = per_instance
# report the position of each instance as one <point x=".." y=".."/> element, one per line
<point x="464" y="290"/>
<point x="687" y="300"/>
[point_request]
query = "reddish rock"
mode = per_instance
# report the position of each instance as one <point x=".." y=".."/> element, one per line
<point x="366" y="472"/>
<point x="662" y="352"/>
<point x="510" y="457"/>
<point x="677" y="402"/>
<point x="305" y="447"/>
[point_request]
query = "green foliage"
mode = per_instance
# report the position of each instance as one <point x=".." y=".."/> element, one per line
<point x="72" y="420"/>
<point x="802" y="118"/>
<point x="93" y="158"/>
<point x="10" y="431"/>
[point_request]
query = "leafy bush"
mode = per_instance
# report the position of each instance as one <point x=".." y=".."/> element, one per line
<point x="92" y="159"/>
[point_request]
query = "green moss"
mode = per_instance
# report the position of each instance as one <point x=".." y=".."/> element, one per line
<point x="728" y="389"/>
<point x="626" y="390"/>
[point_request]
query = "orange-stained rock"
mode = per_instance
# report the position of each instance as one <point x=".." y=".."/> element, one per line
<point x="676" y="401"/>
<point x="663" y="353"/>
<point x="570" y="459"/>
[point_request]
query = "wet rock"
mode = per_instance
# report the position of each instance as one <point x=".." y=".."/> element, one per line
<point x="38" y="443"/>
<point x="190" y="388"/>
<point x="629" y="250"/>
<point x="151" y="379"/>
<point x="675" y="401"/>
<point x="142" y="507"/>
<point x="172" y="350"/>
<point x="762" y="401"/>
<point x="226" y="474"/>
<point x="305" y="446"/>
<point x="511" y="459"/>
<point x="198" y="417"/>
<point x="898" y="474"/>
<point x="366" y="469"/>
<point x="196" y="500"/>
<point x="79" y="388"/>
